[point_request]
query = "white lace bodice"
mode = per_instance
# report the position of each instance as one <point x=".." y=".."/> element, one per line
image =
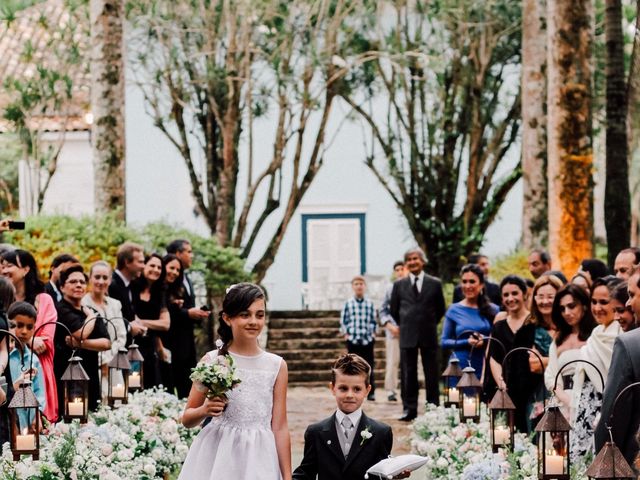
<point x="251" y="402"/>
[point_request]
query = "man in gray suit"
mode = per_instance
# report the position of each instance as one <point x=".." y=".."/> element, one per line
<point x="417" y="305"/>
<point x="624" y="370"/>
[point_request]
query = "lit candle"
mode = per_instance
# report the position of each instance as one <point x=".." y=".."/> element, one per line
<point x="554" y="464"/>
<point x="76" y="408"/>
<point x="501" y="435"/>
<point x="469" y="407"/>
<point x="134" y="380"/>
<point x="118" y="391"/>
<point x="454" y="395"/>
<point x="26" y="441"/>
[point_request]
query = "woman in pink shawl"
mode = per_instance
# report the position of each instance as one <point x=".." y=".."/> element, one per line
<point x="20" y="267"/>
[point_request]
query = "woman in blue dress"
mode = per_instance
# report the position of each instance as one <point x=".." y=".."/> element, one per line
<point x="474" y="313"/>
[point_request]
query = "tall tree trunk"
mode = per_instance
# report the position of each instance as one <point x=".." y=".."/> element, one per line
<point x="617" y="202"/>
<point x="570" y="148"/>
<point x="633" y="128"/>
<point x="534" y="135"/>
<point x="107" y="104"/>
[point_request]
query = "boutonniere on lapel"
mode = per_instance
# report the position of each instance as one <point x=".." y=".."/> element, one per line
<point x="366" y="435"/>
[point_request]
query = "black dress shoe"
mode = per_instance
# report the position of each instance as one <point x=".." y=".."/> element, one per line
<point x="392" y="397"/>
<point x="408" y="417"/>
<point x="371" y="397"/>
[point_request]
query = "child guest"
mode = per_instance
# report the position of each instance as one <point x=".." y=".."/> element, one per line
<point x="24" y="315"/>
<point x="348" y="443"/>
<point x="248" y="437"/>
<point x="358" y="325"/>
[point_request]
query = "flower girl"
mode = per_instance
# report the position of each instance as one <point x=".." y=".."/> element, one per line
<point x="248" y="436"/>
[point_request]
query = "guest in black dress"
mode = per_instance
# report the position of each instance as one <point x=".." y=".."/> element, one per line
<point x="7" y="297"/>
<point x="178" y="340"/>
<point x="88" y="336"/>
<point x="513" y="328"/>
<point x="183" y="319"/>
<point x="151" y="310"/>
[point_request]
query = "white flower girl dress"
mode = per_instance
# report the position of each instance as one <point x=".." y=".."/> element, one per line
<point x="239" y="444"/>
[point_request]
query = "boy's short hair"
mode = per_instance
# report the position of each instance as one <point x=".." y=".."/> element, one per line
<point x="22" y="308"/>
<point x="351" y="364"/>
<point x="398" y="263"/>
<point x="358" y="278"/>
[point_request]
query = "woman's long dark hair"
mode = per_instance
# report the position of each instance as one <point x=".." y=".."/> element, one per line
<point x="7" y="294"/>
<point x="238" y="299"/>
<point x="157" y="288"/>
<point x="175" y="289"/>
<point x="33" y="286"/>
<point x="586" y="324"/>
<point x="484" y="304"/>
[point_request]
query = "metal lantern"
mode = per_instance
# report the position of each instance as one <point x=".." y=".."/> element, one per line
<point x="610" y="464"/>
<point x="25" y="422"/>
<point x="553" y="445"/>
<point x="136" y="372"/>
<point x="470" y="388"/>
<point x="76" y="391"/>
<point x="118" y="379"/>
<point x="502" y="411"/>
<point x="450" y="378"/>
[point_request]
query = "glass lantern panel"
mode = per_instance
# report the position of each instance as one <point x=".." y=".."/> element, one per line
<point x="501" y="431"/>
<point x="500" y="418"/>
<point x="469" y="403"/>
<point x="136" y="366"/>
<point x="75" y="391"/>
<point x="116" y="385"/>
<point x="555" y="453"/>
<point x="26" y="418"/>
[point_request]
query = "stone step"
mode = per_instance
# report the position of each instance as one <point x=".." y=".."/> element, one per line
<point x="304" y="314"/>
<point x="293" y="333"/>
<point x="286" y="344"/>
<point x="322" y="332"/>
<point x="321" y="354"/>
<point x="303" y="354"/>
<point x="314" y="364"/>
<point x="304" y="322"/>
<point x="323" y="376"/>
<point x="310" y="342"/>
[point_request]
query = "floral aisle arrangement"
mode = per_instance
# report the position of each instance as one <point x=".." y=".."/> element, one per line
<point x="463" y="451"/>
<point x="141" y="440"/>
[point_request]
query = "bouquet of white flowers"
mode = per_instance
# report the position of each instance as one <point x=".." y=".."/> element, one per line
<point x="218" y="376"/>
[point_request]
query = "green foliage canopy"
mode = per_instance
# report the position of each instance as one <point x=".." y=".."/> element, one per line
<point x="98" y="238"/>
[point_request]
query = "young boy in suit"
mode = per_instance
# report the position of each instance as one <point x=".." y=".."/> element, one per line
<point x="345" y="445"/>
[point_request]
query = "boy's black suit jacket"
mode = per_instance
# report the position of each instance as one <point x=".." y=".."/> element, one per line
<point x="323" y="458"/>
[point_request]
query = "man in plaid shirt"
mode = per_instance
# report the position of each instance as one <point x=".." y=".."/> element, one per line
<point x="358" y="325"/>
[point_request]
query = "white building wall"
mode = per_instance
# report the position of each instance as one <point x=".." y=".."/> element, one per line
<point x="70" y="191"/>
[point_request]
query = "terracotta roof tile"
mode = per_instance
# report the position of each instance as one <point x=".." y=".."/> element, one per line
<point x="30" y="35"/>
